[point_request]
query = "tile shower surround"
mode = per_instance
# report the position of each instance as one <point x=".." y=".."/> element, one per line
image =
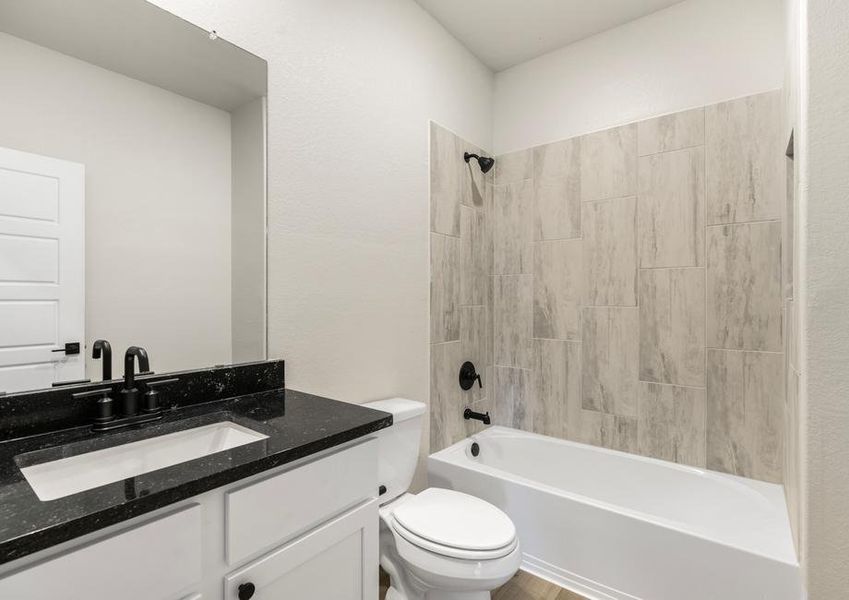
<point x="622" y="288"/>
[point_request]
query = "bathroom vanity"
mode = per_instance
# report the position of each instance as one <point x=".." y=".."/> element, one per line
<point x="291" y="499"/>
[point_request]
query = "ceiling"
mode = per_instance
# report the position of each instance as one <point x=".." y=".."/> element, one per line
<point x="144" y="42"/>
<point x="503" y="33"/>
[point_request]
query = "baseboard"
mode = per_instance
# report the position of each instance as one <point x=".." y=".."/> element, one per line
<point x="591" y="590"/>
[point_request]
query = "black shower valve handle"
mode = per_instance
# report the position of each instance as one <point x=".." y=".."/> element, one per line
<point x="468" y="376"/>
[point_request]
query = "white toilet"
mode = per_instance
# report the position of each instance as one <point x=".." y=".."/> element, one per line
<point x="438" y="544"/>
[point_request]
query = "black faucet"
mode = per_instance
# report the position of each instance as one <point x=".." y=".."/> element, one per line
<point x="130" y="393"/>
<point x="482" y="417"/>
<point x="104" y="348"/>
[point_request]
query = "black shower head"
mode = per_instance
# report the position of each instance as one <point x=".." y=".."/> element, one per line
<point x="485" y="163"/>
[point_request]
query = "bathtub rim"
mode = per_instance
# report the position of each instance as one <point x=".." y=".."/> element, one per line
<point x="458" y="448"/>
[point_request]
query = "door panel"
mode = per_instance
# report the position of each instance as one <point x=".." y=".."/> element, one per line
<point x="42" y="269"/>
<point x="338" y="560"/>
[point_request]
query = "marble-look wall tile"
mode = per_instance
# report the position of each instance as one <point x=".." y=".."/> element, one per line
<point x="558" y="159"/>
<point x="789" y="256"/>
<point x="558" y="280"/>
<point x="744" y="286"/>
<point x="475" y="340"/>
<point x="513" y="228"/>
<point x="609" y="163"/>
<point x="513" y="321"/>
<point x="557" y="208"/>
<point x="610" y="252"/>
<point x="745" y="414"/>
<point x="672" y="132"/>
<point x="444" y="288"/>
<point x="447" y="175"/>
<point x="672" y="326"/>
<point x="514" y="167"/>
<point x="557" y="386"/>
<point x="791" y="334"/>
<point x="446" y="418"/>
<point x="557" y="190"/>
<point x="672" y="423"/>
<point x="514" y="401"/>
<point x="610" y="360"/>
<point x="608" y="431"/>
<point x="671" y="209"/>
<point x="744" y="150"/>
<point x="476" y="266"/>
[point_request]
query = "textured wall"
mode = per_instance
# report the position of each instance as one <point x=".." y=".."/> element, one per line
<point x="692" y="54"/>
<point x="352" y="87"/>
<point x="637" y="297"/>
<point x="824" y="279"/>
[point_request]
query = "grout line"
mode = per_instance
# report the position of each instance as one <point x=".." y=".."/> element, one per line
<point x="689" y="387"/>
<point x="739" y="350"/>
<point x="755" y="222"/>
<point x="625" y="197"/>
<point x="564" y="239"/>
<point x="668" y="268"/>
<point x="692" y="147"/>
<point x="581" y="305"/>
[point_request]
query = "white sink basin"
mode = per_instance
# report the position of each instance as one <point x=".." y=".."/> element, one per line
<point x="66" y="476"/>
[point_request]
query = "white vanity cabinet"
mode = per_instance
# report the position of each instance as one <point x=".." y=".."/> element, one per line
<point x="337" y="560"/>
<point x="159" y="560"/>
<point x="308" y="530"/>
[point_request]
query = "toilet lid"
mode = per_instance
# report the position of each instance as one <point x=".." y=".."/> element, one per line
<point x="456" y="520"/>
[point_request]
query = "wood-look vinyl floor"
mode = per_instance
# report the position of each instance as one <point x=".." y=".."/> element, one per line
<point x="522" y="587"/>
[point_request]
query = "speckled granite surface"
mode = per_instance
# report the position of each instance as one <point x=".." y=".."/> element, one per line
<point x="297" y="425"/>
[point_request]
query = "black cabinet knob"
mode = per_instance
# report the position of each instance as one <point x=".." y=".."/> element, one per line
<point x="247" y="591"/>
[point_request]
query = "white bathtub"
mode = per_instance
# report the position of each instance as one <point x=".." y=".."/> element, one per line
<point x="614" y="526"/>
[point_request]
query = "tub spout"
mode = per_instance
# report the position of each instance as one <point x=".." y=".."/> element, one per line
<point x="470" y="414"/>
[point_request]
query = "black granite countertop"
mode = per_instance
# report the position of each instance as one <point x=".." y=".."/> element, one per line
<point x="297" y="425"/>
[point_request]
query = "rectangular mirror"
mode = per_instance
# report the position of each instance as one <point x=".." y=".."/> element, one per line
<point x="132" y="192"/>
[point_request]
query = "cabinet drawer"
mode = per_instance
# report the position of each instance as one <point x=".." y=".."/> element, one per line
<point x="265" y="514"/>
<point x="159" y="560"/>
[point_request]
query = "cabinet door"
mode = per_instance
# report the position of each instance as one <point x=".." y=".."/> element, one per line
<point x="158" y="560"/>
<point x="339" y="560"/>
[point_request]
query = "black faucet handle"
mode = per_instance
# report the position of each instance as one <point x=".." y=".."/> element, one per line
<point x="151" y="396"/>
<point x="105" y="405"/>
<point x="468" y="376"/>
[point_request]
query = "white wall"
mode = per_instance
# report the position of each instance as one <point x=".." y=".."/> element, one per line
<point x="352" y="86"/>
<point x="823" y="150"/>
<point x="695" y="53"/>
<point x="157" y="200"/>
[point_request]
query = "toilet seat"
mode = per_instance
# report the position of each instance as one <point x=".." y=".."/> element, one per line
<point x="449" y="551"/>
<point x="455" y="525"/>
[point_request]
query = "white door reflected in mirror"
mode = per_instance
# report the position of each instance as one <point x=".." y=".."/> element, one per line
<point x="42" y="270"/>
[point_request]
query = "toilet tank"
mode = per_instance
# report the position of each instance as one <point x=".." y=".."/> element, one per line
<point x="398" y="450"/>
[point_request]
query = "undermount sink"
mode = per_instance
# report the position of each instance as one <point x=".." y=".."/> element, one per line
<point x="66" y="476"/>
